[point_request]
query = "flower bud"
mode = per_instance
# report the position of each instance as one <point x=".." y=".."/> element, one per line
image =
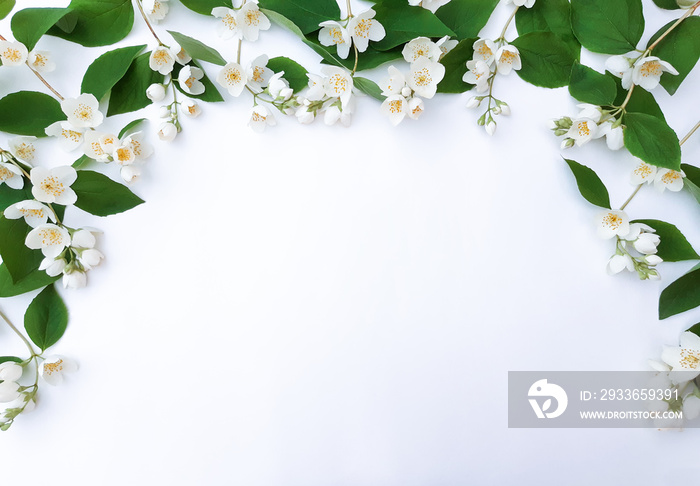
<point x="406" y="91"/>
<point x="74" y="280"/>
<point x="167" y="132"/>
<point x="473" y="102"/>
<point x="165" y="112"/>
<point x="191" y="108"/>
<point x="505" y="109"/>
<point x="490" y="127"/>
<point x="155" y="92"/>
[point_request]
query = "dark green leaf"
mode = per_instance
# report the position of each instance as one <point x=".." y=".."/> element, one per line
<point x="30" y="24"/>
<point x="590" y="86"/>
<point x="641" y="100"/>
<point x="294" y="73"/>
<point x="667" y="4"/>
<point x="680" y="48"/>
<point x="692" y="180"/>
<point x="94" y="23"/>
<point x="20" y="260"/>
<point x="82" y="162"/>
<point x="10" y="196"/>
<point x="589" y="184"/>
<point x="283" y="21"/>
<point x="369" y="59"/>
<point x="681" y="295"/>
<point x="29" y="113"/>
<point x="466" y="18"/>
<point x="369" y="87"/>
<point x="6" y="7"/>
<point x="205" y="7"/>
<point x="695" y="329"/>
<point x="5" y="359"/>
<point x="674" y="246"/>
<point x="46" y="318"/>
<point x="35" y="280"/>
<point x="455" y="63"/>
<point x="108" y="69"/>
<point x="211" y="94"/>
<point x="101" y="196"/>
<point x="608" y="27"/>
<point x="130" y="126"/>
<point x="549" y="16"/>
<point x="652" y="140"/>
<point x="129" y="94"/>
<point x="546" y="59"/>
<point x="197" y="49"/>
<point x="404" y="22"/>
<point x="305" y="14"/>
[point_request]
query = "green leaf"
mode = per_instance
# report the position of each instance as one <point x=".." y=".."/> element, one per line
<point x="404" y="22"/>
<point x="20" y="260"/>
<point x="92" y="23"/>
<point x="82" y="162"/>
<point x="692" y="180"/>
<point x="695" y="329"/>
<point x="589" y="184"/>
<point x="667" y="4"/>
<point x="46" y="318"/>
<point x="5" y="359"/>
<point x="205" y="7"/>
<point x="283" y="21"/>
<point x="681" y="295"/>
<point x="641" y="100"/>
<point x="29" y="113"/>
<point x="294" y="73"/>
<point x="369" y="87"/>
<point x="305" y="14"/>
<point x="674" y="246"/>
<point x="549" y="16"/>
<point x="101" y="196"/>
<point x="129" y="94"/>
<point x="546" y="59"/>
<point x="30" y="24"/>
<point x="369" y="59"/>
<point x="108" y="69"/>
<point x="197" y="49"/>
<point x="590" y="86"/>
<point x="466" y="18"/>
<point x="608" y="27"/>
<point x="455" y="63"/>
<point x="9" y="196"/>
<point x="130" y="126"/>
<point x="680" y="48"/>
<point x="211" y="94"/>
<point x="6" y="7"/>
<point x="652" y="140"/>
<point x="35" y="280"/>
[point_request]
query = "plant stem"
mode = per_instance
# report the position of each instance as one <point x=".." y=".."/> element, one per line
<point x="505" y="27"/>
<point x="627" y="98"/>
<point x="26" y="342"/>
<point x="629" y="199"/>
<point x="357" y="57"/>
<point x="690" y="133"/>
<point x="347" y="2"/>
<point x="148" y="23"/>
<point x="690" y="12"/>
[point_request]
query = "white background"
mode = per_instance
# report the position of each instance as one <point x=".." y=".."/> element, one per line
<point x="325" y="306"/>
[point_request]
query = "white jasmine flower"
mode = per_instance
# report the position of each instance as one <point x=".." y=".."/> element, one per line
<point x="90" y="258"/>
<point x="473" y="102"/>
<point x="233" y="78"/>
<point x="421" y="47"/>
<point x="83" y="111"/>
<point x="13" y="53"/>
<point x="363" y="28"/>
<point x="316" y="90"/>
<point x="34" y="213"/>
<point x="614" y="137"/>
<point x="668" y="179"/>
<point x="260" y="117"/>
<point x="647" y="72"/>
<point x="93" y="148"/>
<point x="685" y="358"/>
<point x="507" y="59"/>
<point x="74" y="280"/>
<point x="582" y="130"/>
<point x="53" y="185"/>
<point x="23" y="148"/>
<point x="643" y="173"/>
<point x="129" y="172"/>
<point x="155" y="92"/>
<point x="484" y="50"/>
<point x="425" y="76"/>
<point x="652" y="259"/>
<point x="490" y="127"/>
<point x="142" y="149"/>
<point x="337" y="83"/>
<point x="53" y="267"/>
<point x="521" y="3"/>
<point x="395" y="84"/>
<point x="124" y="155"/>
<point x="621" y="66"/>
<point x="228" y="27"/>
<point x="189" y="80"/>
<point x="446" y="45"/>
<point x="191" y="108"/>
<point x="646" y="243"/>
<point x="69" y="137"/>
<point x="258" y="73"/>
<point x="592" y="112"/>
<point x="334" y="34"/>
<point x="10" y="373"/>
<point x="48" y="238"/>
<point x="167" y="132"/>
<point x="11" y="175"/>
<point x="156" y="9"/>
<point x="415" y="108"/>
<point x="612" y="223"/>
<point x="396" y="108"/>
<point x="40" y="61"/>
<point x="108" y="142"/>
<point x="618" y="263"/>
<point x="181" y="56"/>
<point x="251" y="21"/>
<point x="478" y="73"/>
<point x="431" y="5"/>
<point x="53" y="368"/>
<point x="335" y="114"/>
<point x="304" y="116"/>
<point x="161" y="60"/>
<point x="278" y="87"/>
